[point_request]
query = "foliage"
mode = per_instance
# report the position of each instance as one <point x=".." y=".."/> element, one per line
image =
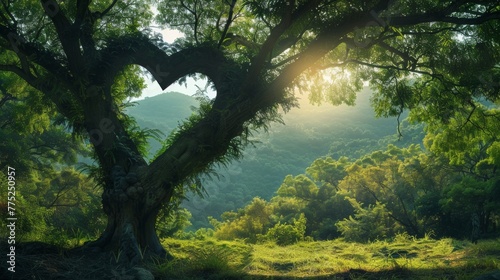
<point x="368" y="224"/>
<point x="173" y="223"/>
<point x="32" y="138"/>
<point x="284" y="234"/>
<point x="55" y="207"/>
<point x="248" y="224"/>
<point x="385" y="193"/>
<point x="300" y="187"/>
<point x="51" y="196"/>
<point x="469" y="141"/>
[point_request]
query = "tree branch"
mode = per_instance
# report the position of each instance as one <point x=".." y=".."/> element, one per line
<point x="82" y="11"/>
<point x="405" y="56"/>
<point x="267" y="47"/>
<point x="441" y="16"/>
<point x="196" y="16"/>
<point x="6" y="98"/>
<point x="59" y="194"/>
<point x="42" y="57"/>
<point x="328" y="39"/>
<point x="8" y="12"/>
<point x="106" y="11"/>
<point x="228" y="23"/>
<point x="67" y="33"/>
<point x="51" y="90"/>
<point x="165" y="69"/>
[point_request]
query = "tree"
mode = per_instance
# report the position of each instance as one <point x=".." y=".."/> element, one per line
<point x="47" y="189"/>
<point x="467" y="198"/>
<point x="30" y="141"/>
<point x="299" y="186"/>
<point x="470" y="143"/>
<point x="425" y="56"/>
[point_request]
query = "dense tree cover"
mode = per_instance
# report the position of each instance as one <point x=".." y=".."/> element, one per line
<point x="385" y="193"/>
<point x="433" y="57"/>
<point x="52" y="197"/>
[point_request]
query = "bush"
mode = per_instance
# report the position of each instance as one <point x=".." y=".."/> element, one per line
<point x="252" y="221"/>
<point x="368" y="224"/>
<point x="284" y="234"/>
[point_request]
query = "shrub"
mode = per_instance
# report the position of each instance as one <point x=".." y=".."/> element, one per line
<point x="284" y="234"/>
<point x="368" y="224"/>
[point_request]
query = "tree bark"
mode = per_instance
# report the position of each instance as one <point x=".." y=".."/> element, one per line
<point x="130" y="231"/>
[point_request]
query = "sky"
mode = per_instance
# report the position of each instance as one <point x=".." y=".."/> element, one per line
<point x="169" y="36"/>
<point x="189" y="89"/>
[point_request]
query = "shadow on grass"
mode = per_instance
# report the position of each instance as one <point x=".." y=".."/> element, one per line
<point x="353" y="274"/>
<point x="427" y="274"/>
<point x="37" y="260"/>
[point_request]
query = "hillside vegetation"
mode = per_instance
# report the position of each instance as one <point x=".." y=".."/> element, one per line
<point x="308" y="132"/>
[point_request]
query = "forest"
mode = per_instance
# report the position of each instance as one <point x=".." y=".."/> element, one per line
<point x="366" y="185"/>
<point x="345" y="139"/>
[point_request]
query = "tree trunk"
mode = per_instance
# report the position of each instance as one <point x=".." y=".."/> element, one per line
<point x="131" y="205"/>
<point x="130" y="232"/>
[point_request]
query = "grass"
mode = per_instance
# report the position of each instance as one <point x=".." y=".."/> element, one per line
<point x="207" y="259"/>
<point x="402" y="258"/>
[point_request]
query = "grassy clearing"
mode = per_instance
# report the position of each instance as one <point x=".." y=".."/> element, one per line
<point x="403" y="258"/>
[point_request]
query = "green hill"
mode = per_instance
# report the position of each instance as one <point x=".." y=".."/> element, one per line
<point x="309" y="132"/>
<point x="163" y="112"/>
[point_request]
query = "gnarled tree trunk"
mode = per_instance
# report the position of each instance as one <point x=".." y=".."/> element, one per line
<point x="131" y="228"/>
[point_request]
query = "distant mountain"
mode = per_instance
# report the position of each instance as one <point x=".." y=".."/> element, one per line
<point x="310" y="132"/>
<point x="163" y="112"/>
<point x="165" y="108"/>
